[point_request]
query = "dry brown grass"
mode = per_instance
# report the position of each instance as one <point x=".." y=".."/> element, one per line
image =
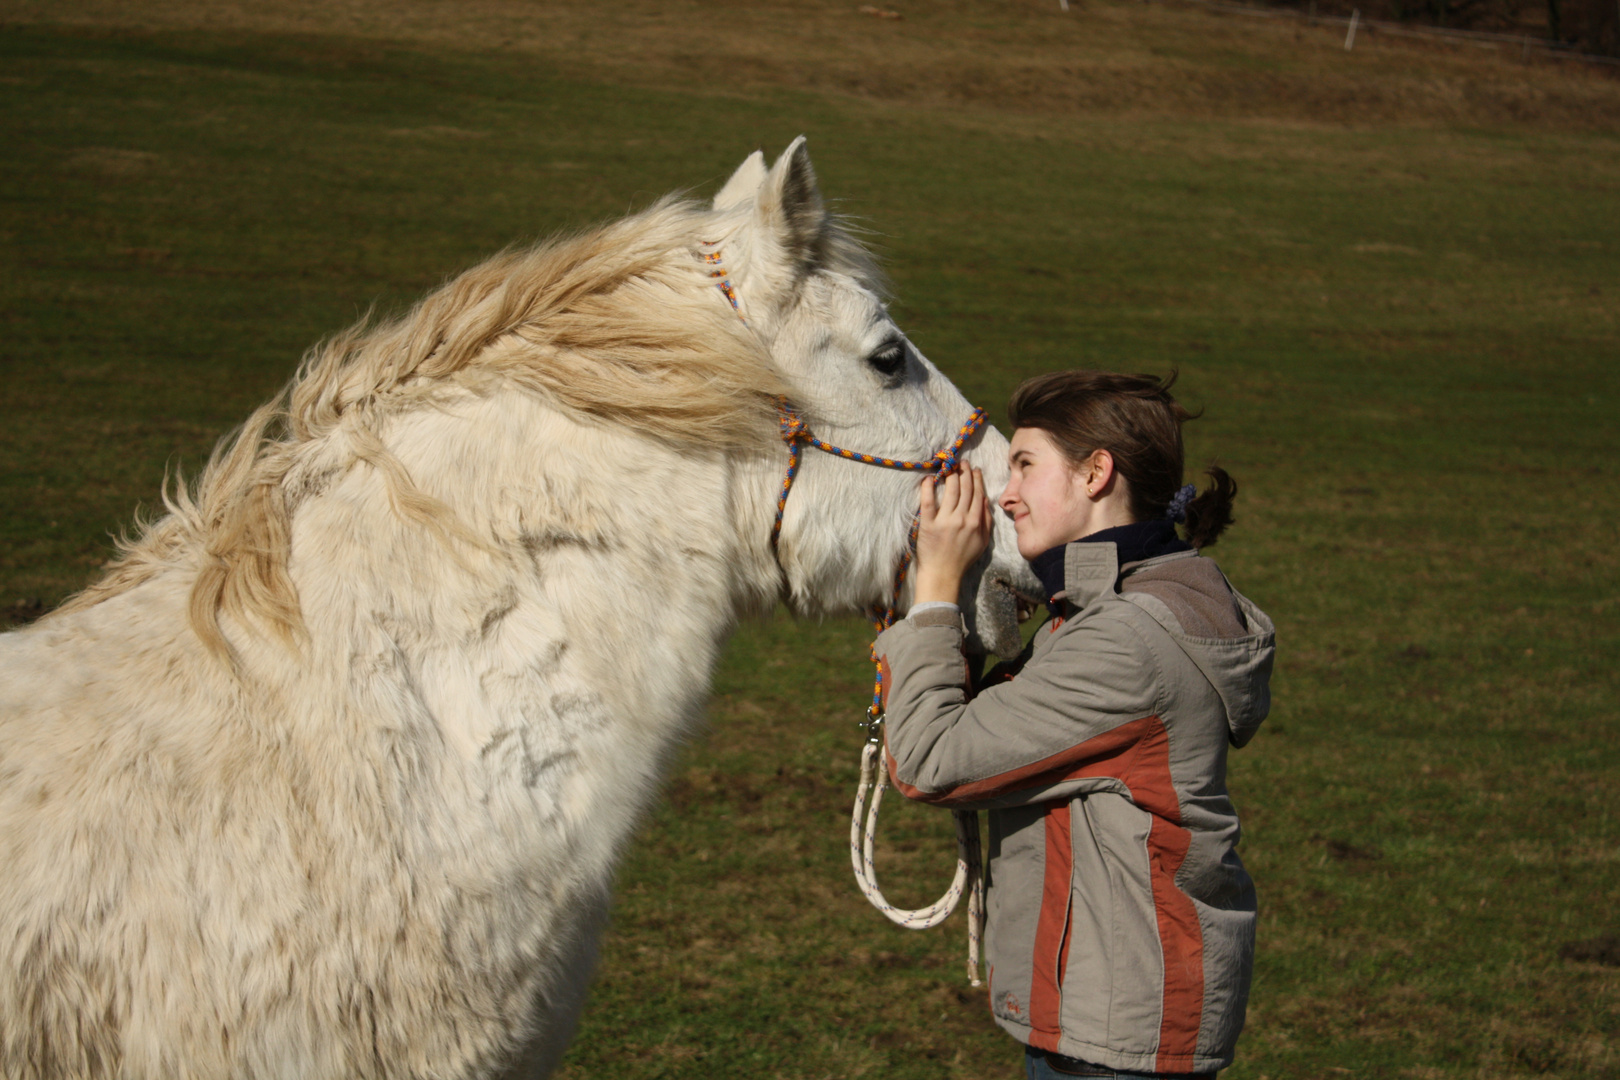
<point x="1107" y="57"/>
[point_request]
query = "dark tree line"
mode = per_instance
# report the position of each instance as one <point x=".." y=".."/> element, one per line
<point x="1587" y="25"/>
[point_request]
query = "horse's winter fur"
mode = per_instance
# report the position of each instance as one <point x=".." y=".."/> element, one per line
<point x="328" y="776"/>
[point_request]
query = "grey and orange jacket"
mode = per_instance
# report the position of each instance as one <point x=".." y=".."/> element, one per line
<point x="1120" y="918"/>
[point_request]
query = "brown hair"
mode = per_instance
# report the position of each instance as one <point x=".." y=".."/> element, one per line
<point x="1136" y="420"/>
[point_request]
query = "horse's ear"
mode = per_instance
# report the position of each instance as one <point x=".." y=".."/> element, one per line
<point x="743" y="183"/>
<point x="791" y="208"/>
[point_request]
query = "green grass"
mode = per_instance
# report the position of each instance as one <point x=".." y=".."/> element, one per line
<point x="1405" y="340"/>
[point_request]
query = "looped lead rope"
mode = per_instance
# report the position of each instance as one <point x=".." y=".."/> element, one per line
<point x="863" y="839"/>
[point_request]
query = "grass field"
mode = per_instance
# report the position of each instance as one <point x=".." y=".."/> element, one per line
<point x="1391" y="277"/>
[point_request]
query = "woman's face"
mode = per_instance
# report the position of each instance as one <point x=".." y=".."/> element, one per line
<point x="1045" y="497"/>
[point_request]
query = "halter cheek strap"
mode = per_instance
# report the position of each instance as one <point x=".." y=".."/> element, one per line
<point x="723" y="282"/>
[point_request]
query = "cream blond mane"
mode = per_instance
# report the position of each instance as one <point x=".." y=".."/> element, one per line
<point x="619" y="323"/>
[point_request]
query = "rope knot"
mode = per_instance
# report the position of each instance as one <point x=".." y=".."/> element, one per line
<point x="793" y="426"/>
<point x="950" y="458"/>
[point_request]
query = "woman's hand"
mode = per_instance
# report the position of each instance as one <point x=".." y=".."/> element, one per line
<point x="953" y="529"/>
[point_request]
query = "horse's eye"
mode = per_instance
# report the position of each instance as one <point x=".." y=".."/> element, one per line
<point x="889" y="360"/>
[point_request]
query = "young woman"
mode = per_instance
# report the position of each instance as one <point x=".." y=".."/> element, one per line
<point x="1120" y="920"/>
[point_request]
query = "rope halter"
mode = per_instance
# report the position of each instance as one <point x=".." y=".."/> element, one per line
<point x="796" y="433"/>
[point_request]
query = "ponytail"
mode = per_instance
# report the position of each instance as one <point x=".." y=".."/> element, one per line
<point x="1210" y="511"/>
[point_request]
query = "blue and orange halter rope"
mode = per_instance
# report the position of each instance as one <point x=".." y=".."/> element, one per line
<point x="796" y="433"/>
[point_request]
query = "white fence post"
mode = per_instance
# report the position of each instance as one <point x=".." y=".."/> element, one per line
<point x="1350" y="38"/>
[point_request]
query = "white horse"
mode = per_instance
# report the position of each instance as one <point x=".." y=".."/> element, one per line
<point x="329" y="775"/>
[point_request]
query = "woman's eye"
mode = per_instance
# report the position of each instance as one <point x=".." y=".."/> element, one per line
<point x="890" y="360"/>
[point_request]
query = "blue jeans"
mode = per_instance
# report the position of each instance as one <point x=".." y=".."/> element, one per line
<point x="1038" y="1067"/>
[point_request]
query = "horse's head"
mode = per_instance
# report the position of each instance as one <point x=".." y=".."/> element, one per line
<point x="812" y="294"/>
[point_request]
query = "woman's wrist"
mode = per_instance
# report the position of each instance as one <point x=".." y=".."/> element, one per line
<point x="932" y="585"/>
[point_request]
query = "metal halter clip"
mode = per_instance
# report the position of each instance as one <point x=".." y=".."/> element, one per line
<point x="874" y="728"/>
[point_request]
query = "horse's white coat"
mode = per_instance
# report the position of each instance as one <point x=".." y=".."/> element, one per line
<point x="383" y="847"/>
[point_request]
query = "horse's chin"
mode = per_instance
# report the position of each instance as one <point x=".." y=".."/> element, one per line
<point x="992" y="619"/>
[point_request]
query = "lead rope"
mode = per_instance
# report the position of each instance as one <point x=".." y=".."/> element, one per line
<point x="874" y="778"/>
<point x="862" y="839"/>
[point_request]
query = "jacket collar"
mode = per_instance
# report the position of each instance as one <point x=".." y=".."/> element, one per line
<point x="1131" y="545"/>
<point x="1140" y="540"/>
<point x="1089" y="571"/>
<point x="1048" y="566"/>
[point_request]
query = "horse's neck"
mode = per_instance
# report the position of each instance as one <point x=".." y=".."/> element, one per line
<point x="577" y="618"/>
<point x="602" y="568"/>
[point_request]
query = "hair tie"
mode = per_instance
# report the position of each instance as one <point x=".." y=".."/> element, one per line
<point x="1177" y="510"/>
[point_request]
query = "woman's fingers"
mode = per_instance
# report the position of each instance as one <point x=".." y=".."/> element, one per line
<point x="953" y="528"/>
<point x="942" y="493"/>
<point x="979" y="510"/>
<point x="958" y="496"/>
<point x="927" y="499"/>
<point x="957" y="500"/>
<point x="955" y="496"/>
<point x="974" y="511"/>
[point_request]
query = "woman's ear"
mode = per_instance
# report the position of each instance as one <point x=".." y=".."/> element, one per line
<point x="1098" y="472"/>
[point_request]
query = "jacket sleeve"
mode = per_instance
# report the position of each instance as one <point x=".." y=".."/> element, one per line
<point x="1078" y="715"/>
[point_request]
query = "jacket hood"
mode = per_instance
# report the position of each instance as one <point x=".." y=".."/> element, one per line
<point x="1230" y="640"/>
<point x="1239" y="669"/>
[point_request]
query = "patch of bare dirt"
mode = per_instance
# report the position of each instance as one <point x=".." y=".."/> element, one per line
<point x="1603" y="950"/>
